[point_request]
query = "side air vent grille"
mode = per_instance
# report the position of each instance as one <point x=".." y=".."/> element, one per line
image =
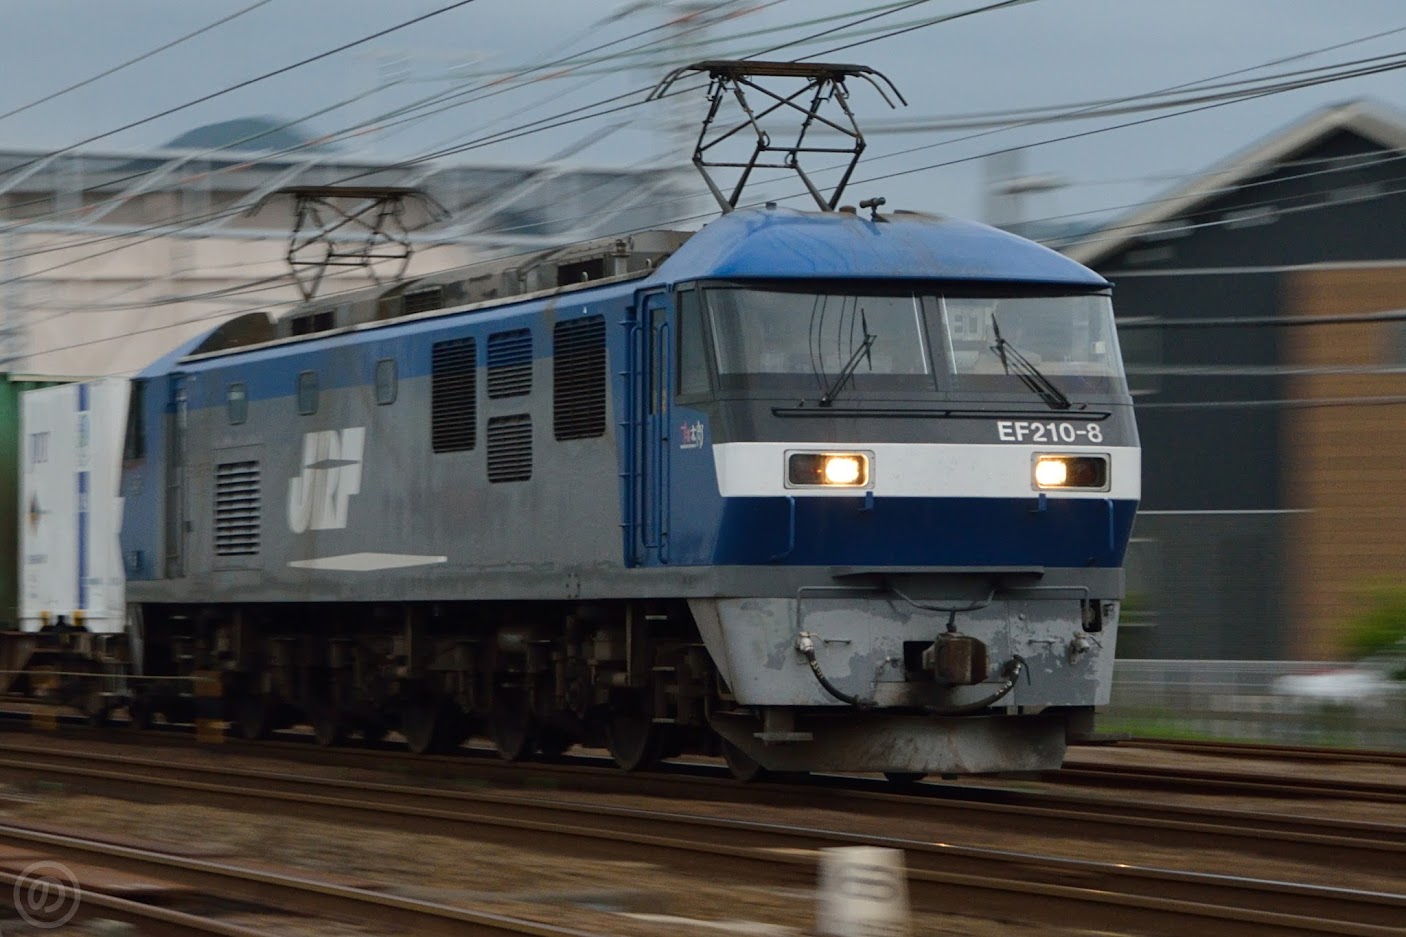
<point x="423" y="300"/>
<point x="237" y="505"/>
<point x="510" y="448"/>
<point x="453" y="395"/>
<point x="578" y="378"/>
<point x="510" y="363"/>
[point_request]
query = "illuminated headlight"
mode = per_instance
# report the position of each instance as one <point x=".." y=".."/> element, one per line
<point x="828" y="469"/>
<point x="1086" y="472"/>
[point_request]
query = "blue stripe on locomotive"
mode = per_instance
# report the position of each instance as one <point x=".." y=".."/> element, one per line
<point x="706" y="529"/>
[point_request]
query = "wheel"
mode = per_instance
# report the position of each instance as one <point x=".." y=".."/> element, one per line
<point x="140" y="713"/>
<point x="633" y="740"/>
<point x="511" y="726"/>
<point x="743" y="767"/>
<point x="327" y="727"/>
<point x="431" y="726"/>
<point x="253" y="715"/>
<point x="553" y="743"/>
<point x="95" y="709"/>
<point x="904" y="778"/>
<point x="373" y="733"/>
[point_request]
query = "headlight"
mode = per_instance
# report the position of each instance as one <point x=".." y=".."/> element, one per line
<point x="1087" y="472"/>
<point x="828" y="469"/>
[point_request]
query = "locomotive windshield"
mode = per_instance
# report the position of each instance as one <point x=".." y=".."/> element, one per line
<point x="783" y="339"/>
<point x="1069" y="339"/>
<point x="795" y="341"/>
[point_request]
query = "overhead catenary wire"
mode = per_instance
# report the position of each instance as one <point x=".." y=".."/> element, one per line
<point x="578" y="114"/>
<point x="1315" y="206"/>
<point x="133" y="61"/>
<point x="1341" y="165"/>
<point x="1203" y="81"/>
<point x="535" y="125"/>
<point x="244" y="84"/>
<point x="224" y="314"/>
<point x="501" y="84"/>
<point x="865" y="19"/>
<point x="1149" y="101"/>
<point x="709" y="213"/>
<point x="1092" y="110"/>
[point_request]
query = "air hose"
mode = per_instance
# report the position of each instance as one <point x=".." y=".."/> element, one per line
<point x="1012" y="671"/>
<point x="805" y="643"/>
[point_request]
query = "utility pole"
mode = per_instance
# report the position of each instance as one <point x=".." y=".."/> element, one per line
<point x="1008" y="185"/>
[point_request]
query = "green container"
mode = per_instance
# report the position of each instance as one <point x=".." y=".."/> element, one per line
<point x="11" y="451"/>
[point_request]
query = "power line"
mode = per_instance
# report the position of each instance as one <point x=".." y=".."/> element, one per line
<point x="1121" y="126"/>
<point x="1291" y="210"/>
<point x="501" y="84"/>
<point x="946" y="19"/>
<point x="1153" y="100"/>
<point x="1091" y="110"/>
<point x="585" y="112"/>
<point x="535" y="126"/>
<point x="130" y="62"/>
<point x="697" y="216"/>
<point x="246" y="83"/>
<point x="1366" y="161"/>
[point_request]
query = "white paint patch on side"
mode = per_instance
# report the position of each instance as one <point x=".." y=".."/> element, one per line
<point x="922" y="470"/>
<point x="368" y="562"/>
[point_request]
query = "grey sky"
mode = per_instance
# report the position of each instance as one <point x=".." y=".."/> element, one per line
<point x="1040" y="53"/>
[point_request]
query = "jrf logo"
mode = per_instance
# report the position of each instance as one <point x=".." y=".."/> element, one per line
<point x="317" y="499"/>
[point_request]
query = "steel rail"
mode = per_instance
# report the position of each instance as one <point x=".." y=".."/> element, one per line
<point x="941" y="876"/>
<point x="1197" y="781"/>
<point x="287" y="892"/>
<point x="1268" y="750"/>
<point x="154" y="920"/>
<point x="1334" y="843"/>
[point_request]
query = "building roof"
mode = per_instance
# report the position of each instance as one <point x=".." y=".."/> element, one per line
<point x="249" y="134"/>
<point x="1367" y="119"/>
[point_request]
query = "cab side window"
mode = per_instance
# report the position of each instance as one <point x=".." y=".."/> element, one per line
<point x="693" y="368"/>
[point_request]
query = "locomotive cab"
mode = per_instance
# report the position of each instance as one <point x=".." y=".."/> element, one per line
<point x="914" y="492"/>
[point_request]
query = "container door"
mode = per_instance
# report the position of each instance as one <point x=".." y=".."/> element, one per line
<point x="653" y="426"/>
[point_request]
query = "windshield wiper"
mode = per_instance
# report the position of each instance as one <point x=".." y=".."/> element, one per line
<point x="861" y="352"/>
<point x="1029" y="375"/>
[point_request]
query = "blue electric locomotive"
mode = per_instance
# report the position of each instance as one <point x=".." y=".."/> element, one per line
<point x="816" y="490"/>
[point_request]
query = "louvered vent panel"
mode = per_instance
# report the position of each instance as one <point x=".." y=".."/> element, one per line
<point x="424" y="300"/>
<point x="237" y="507"/>
<point x="510" y="363"/>
<point x="453" y="395"/>
<point x="578" y="378"/>
<point x="510" y="448"/>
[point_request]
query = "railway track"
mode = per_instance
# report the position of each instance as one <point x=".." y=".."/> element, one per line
<point x="1075" y="773"/>
<point x="286" y="892"/>
<point x="1301" y="753"/>
<point x="984" y="882"/>
<point x="989" y="807"/>
<point x="1201" y="781"/>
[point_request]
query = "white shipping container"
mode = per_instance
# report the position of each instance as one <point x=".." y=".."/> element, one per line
<point x="70" y="560"/>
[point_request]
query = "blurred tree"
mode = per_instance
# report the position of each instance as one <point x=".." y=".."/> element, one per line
<point x="1379" y="630"/>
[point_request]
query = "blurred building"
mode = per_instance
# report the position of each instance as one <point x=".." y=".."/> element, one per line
<point x="109" y="259"/>
<point x="1261" y="310"/>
